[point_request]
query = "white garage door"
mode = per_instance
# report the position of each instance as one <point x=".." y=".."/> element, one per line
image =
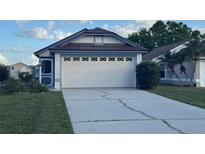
<point x="78" y="72"/>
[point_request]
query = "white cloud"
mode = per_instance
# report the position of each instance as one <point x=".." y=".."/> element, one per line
<point x="36" y="33"/>
<point x="34" y="59"/>
<point x="105" y="26"/>
<point x="3" y="59"/>
<point x="124" y="30"/>
<point x="59" y="34"/>
<point x="79" y="21"/>
<point x="86" y="21"/>
<point x="50" y="25"/>
<point x="21" y="23"/>
<point x="201" y="29"/>
<point x="145" y="23"/>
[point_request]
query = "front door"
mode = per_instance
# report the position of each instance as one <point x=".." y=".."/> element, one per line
<point x="47" y="71"/>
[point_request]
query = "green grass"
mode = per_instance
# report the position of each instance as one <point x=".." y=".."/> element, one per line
<point x="34" y="113"/>
<point x="189" y="95"/>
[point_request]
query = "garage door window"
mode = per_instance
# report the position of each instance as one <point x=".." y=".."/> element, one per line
<point x="120" y="59"/>
<point x="76" y="58"/>
<point x="85" y="59"/>
<point x="128" y="59"/>
<point x="102" y="58"/>
<point x="94" y="59"/>
<point x="46" y="66"/>
<point x="67" y="59"/>
<point x="111" y="59"/>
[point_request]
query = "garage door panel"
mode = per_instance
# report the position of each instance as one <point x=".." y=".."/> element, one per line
<point x="97" y="74"/>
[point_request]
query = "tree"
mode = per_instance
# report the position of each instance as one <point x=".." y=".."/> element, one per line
<point x="143" y="37"/>
<point x="178" y="32"/>
<point x="194" y="48"/>
<point x="180" y="59"/>
<point x="163" y="33"/>
<point x="4" y="74"/>
<point x="159" y="33"/>
<point x="170" y="59"/>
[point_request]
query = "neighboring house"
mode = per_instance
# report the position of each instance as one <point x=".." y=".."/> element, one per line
<point x="165" y="73"/>
<point x="17" y="68"/>
<point x="90" y="58"/>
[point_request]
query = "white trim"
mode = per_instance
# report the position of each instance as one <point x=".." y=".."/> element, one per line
<point x="198" y="80"/>
<point x="175" y="79"/>
<point x="139" y="58"/>
<point x="95" y="51"/>
<point x="57" y="78"/>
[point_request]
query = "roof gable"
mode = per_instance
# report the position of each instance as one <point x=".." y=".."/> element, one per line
<point x="19" y="64"/>
<point x="87" y="32"/>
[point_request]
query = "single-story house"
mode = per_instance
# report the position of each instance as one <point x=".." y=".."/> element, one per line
<point x="90" y="58"/>
<point x="19" y="67"/>
<point x="166" y="74"/>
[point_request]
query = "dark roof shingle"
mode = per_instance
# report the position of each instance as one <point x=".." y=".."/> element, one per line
<point x="156" y="52"/>
<point x="97" y="47"/>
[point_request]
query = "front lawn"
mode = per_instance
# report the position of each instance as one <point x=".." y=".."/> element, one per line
<point x="34" y="113"/>
<point x="189" y="95"/>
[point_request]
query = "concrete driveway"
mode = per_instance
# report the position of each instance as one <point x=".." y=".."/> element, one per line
<point x="130" y="111"/>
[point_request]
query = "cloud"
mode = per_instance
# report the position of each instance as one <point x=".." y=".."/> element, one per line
<point x="21" y="23"/>
<point x="36" y="33"/>
<point x="79" y="21"/>
<point x="86" y="21"/>
<point x="201" y="29"/>
<point x="105" y="26"/>
<point x="43" y="33"/>
<point x="127" y="29"/>
<point x="59" y="34"/>
<point x="3" y="59"/>
<point x="34" y="59"/>
<point x="50" y="25"/>
<point x="132" y="27"/>
<point x="145" y="23"/>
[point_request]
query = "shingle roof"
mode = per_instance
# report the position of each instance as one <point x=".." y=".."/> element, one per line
<point x="98" y="30"/>
<point x="159" y="51"/>
<point x="97" y="47"/>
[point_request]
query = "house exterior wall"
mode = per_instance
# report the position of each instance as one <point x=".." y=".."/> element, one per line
<point x="189" y="70"/>
<point x="46" y="54"/>
<point x="170" y="77"/>
<point x="202" y="72"/>
<point x="109" y="39"/>
<point x="90" y="39"/>
<point x="15" y="69"/>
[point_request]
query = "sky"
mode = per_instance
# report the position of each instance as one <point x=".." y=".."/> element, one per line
<point x="20" y="39"/>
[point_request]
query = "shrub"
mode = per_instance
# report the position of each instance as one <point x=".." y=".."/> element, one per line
<point x="12" y="86"/>
<point x="147" y="74"/>
<point x="35" y="86"/>
<point x="25" y="77"/>
<point x="4" y="74"/>
<point x="15" y="86"/>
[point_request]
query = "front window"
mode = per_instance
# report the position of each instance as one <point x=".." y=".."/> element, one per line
<point x="162" y="71"/>
<point x="46" y="66"/>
